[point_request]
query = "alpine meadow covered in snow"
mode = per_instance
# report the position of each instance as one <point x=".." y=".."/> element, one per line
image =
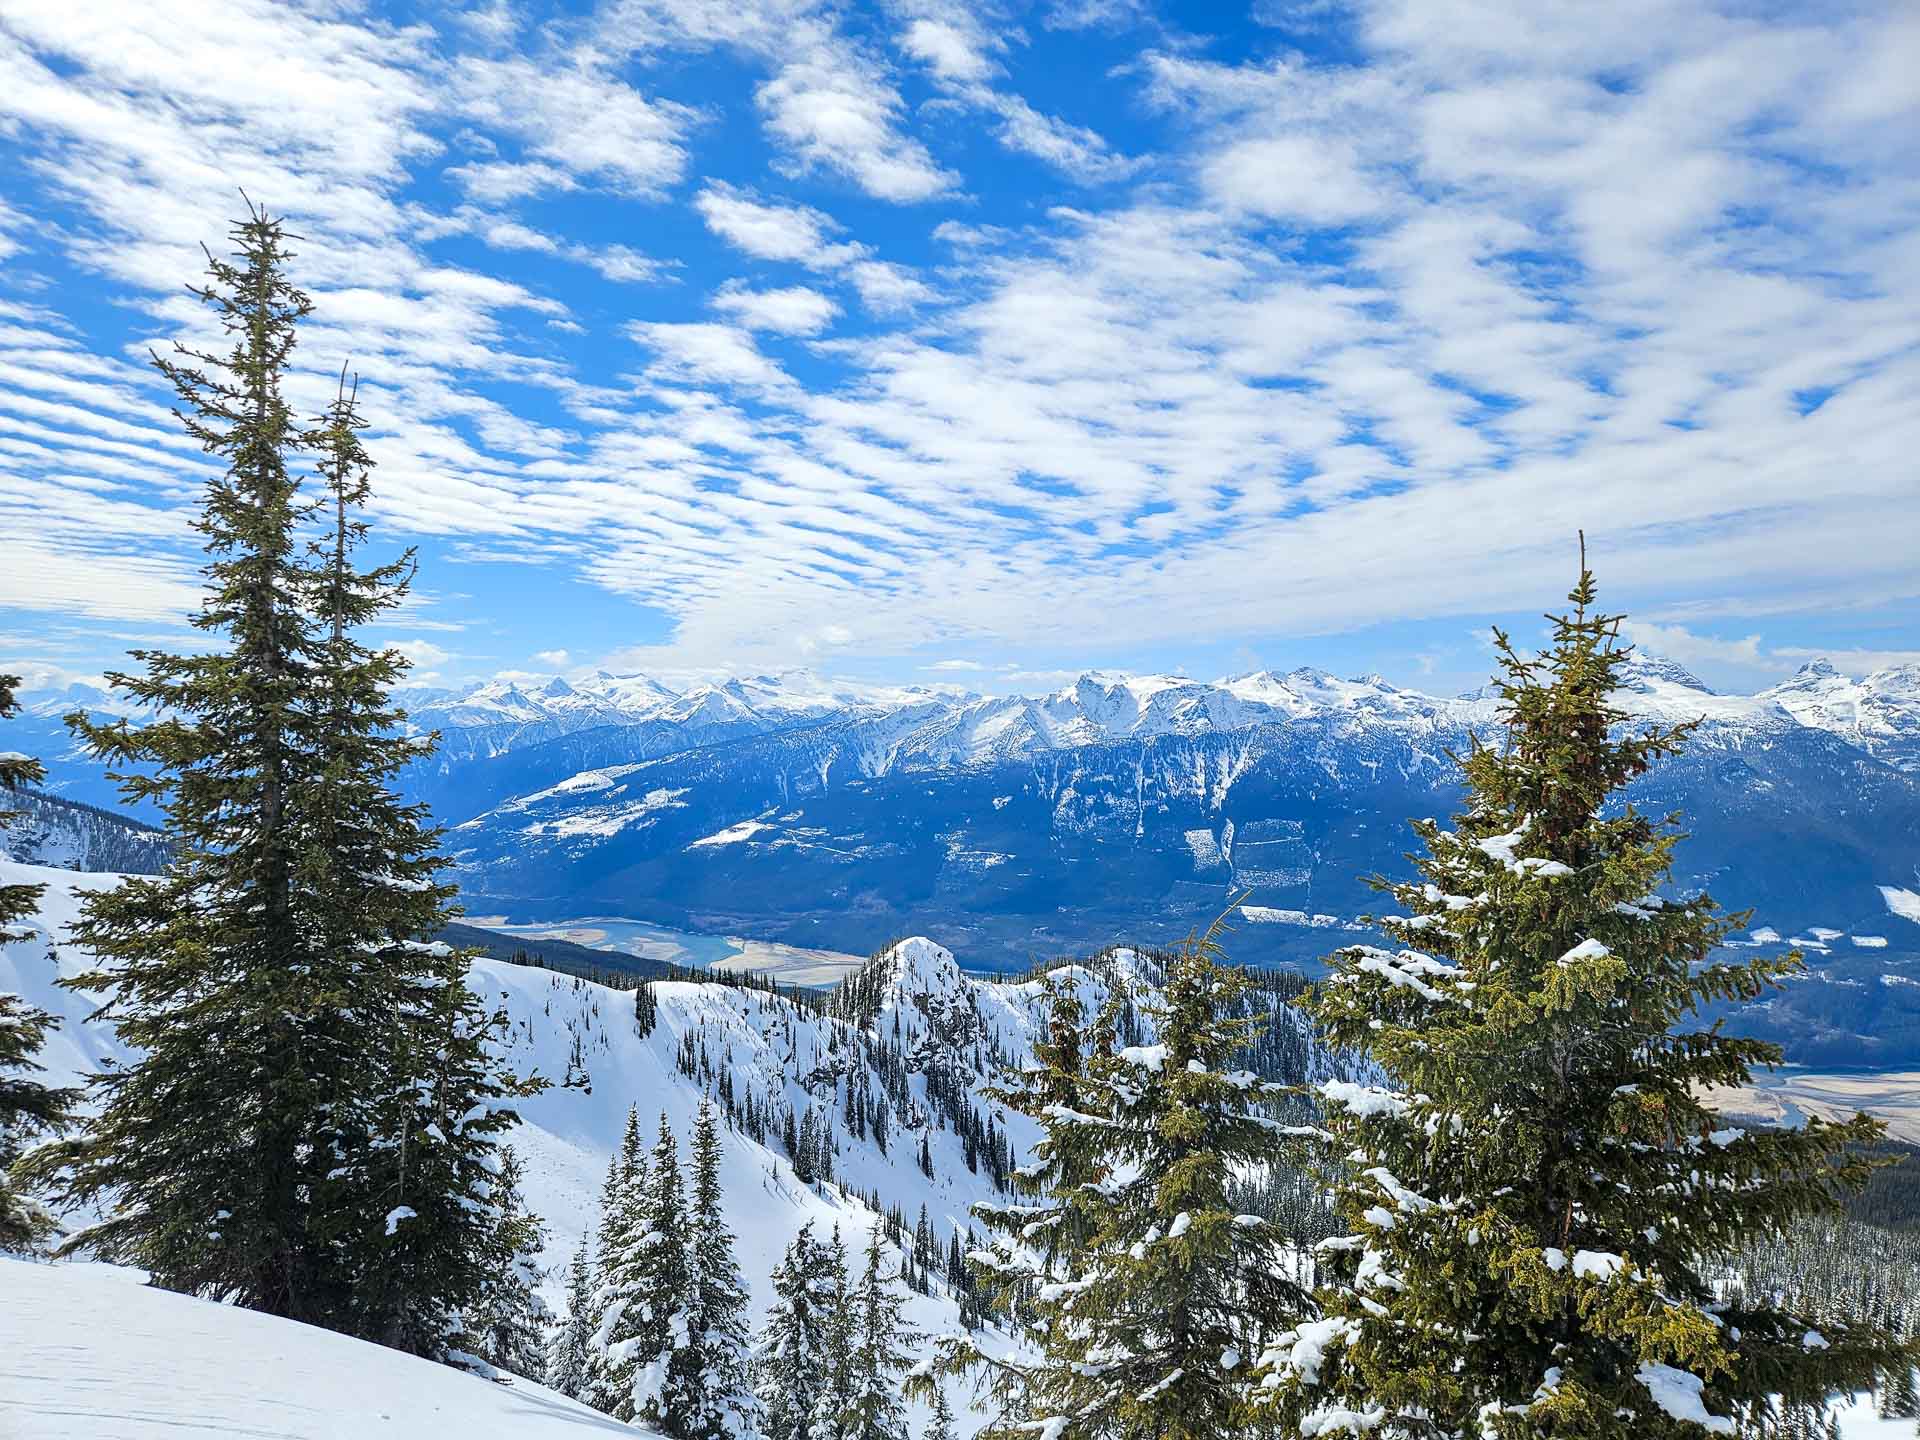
<point x="610" y="815"/>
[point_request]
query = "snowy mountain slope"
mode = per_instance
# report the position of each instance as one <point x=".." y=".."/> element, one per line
<point x="1116" y="806"/>
<point x="89" y="1351"/>
<point x="918" y="1040"/>
<point x="1880" y="713"/>
<point x="47" y="830"/>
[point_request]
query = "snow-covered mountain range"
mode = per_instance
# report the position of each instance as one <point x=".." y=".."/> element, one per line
<point x="827" y="814"/>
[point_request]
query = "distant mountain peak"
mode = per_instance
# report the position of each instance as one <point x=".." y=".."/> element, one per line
<point x="1644" y="670"/>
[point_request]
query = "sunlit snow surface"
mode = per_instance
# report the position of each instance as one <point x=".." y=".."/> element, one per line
<point x="88" y="1351"/>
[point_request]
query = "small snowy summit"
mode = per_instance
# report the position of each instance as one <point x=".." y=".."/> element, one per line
<point x="181" y="1366"/>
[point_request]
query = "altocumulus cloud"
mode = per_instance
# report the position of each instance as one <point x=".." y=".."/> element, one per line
<point x="899" y="329"/>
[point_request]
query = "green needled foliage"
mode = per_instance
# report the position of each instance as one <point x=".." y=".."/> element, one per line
<point x="1148" y="1296"/>
<point x="717" y="1340"/>
<point x="27" y="1108"/>
<point x="1540" y="1205"/>
<point x="309" y="1127"/>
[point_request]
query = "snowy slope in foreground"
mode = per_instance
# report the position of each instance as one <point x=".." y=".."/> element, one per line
<point x="777" y="1054"/>
<point x="88" y="1351"/>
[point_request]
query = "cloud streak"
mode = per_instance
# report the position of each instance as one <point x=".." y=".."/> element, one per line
<point x="780" y="364"/>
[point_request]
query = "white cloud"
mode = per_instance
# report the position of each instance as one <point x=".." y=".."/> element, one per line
<point x="1375" y="340"/>
<point x="792" y="310"/>
<point x="701" y="353"/>
<point x="948" y="50"/>
<point x="1676" y="642"/>
<point x="558" y="659"/>
<point x="959" y="50"/>
<point x="833" y="112"/>
<point x="800" y="235"/>
<point x="494" y="182"/>
<point x="1312" y="180"/>
<point x="772" y="232"/>
<point x="421" y="654"/>
<point x="579" y="118"/>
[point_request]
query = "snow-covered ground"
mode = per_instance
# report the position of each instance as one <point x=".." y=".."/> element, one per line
<point x="88" y="1352"/>
<point x="776" y="1052"/>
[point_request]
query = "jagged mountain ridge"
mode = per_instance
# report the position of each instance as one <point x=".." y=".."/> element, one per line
<point x="1115" y="807"/>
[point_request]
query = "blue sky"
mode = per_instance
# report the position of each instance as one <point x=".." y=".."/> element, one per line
<point x="925" y="341"/>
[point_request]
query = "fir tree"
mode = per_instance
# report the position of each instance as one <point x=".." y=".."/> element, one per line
<point x="570" y="1358"/>
<point x="1538" y="1204"/>
<point x="511" y="1320"/>
<point x="426" y="1261"/>
<point x="881" y="1352"/>
<point x="27" y="1107"/>
<point x="309" y="1127"/>
<point x="940" y="1424"/>
<point x="790" y="1363"/>
<point x="837" y="1386"/>
<point x="1150" y="1293"/>
<point x="717" y="1341"/>
<point x="196" y="1153"/>
<point x="413" y="1121"/>
<point x="644" y="1362"/>
<point x="622" y="1225"/>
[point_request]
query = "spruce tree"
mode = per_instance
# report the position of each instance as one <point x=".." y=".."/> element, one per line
<point x="940" y="1424"/>
<point x="27" y="1108"/>
<point x="420" y="1099"/>
<point x="837" y="1385"/>
<point x="569" y="1359"/>
<point x="791" y="1359"/>
<point x="511" y="1319"/>
<point x="1539" y="1202"/>
<point x="882" y="1350"/>
<point x="310" y="1125"/>
<point x="621" y="1227"/>
<point x="1149" y="1310"/>
<point x="717" y="1344"/>
<point x="644" y="1365"/>
<point x="197" y="1155"/>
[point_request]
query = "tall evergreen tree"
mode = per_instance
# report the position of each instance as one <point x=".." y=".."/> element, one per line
<point x="419" y="1102"/>
<point x="1148" y="1325"/>
<point x="197" y="1153"/>
<point x="882" y="1350"/>
<point x="643" y="1361"/>
<point x="511" y="1320"/>
<point x="790" y="1363"/>
<point x="309" y="1127"/>
<point x="569" y="1360"/>
<point x="835" y="1400"/>
<point x="1537" y="1204"/>
<point x="726" y="1407"/>
<point x="28" y="1109"/>
<point x="622" y="1225"/>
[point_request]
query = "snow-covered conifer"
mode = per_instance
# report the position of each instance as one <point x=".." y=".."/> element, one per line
<point x="940" y="1424"/>
<point x="1538" y="1202"/>
<point x="791" y="1358"/>
<point x="642" y="1362"/>
<point x="570" y="1354"/>
<point x="882" y="1350"/>
<point x="837" y="1386"/>
<point x="511" y="1320"/>
<point x="1148" y="1295"/>
<point x="726" y="1407"/>
<point x="27" y="1107"/>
